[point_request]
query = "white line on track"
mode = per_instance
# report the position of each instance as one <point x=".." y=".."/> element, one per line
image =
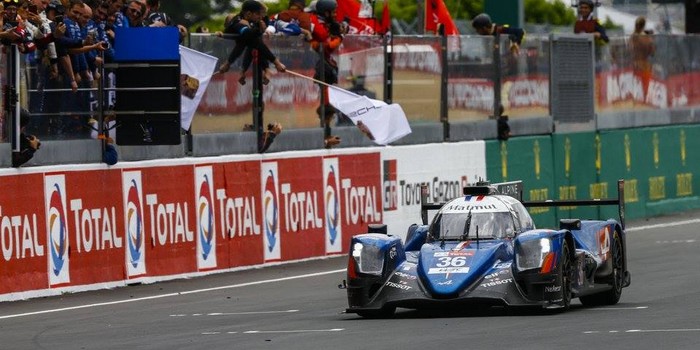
<point x="645" y="331"/>
<point x="237" y="313"/>
<point x="669" y="224"/>
<point x="297" y="331"/>
<point x="619" y="308"/>
<point x="168" y="295"/>
<point x="280" y="331"/>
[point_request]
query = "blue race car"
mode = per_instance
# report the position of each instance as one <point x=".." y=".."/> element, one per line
<point x="482" y="249"/>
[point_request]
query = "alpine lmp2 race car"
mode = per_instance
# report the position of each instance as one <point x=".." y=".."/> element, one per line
<point x="482" y="249"/>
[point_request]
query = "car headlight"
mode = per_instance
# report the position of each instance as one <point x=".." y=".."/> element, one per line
<point x="369" y="258"/>
<point x="532" y="253"/>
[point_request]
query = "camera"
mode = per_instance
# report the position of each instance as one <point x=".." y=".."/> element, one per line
<point x="58" y="19"/>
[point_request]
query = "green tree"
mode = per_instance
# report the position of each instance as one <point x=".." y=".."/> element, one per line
<point x="544" y="12"/>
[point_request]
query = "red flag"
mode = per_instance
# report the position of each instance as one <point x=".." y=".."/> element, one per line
<point x="349" y="10"/>
<point x="436" y="12"/>
<point x="385" y="24"/>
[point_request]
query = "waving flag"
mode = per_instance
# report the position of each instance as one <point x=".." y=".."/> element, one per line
<point x="196" y="69"/>
<point x="383" y="123"/>
<point x="359" y="15"/>
<point x="436" y="12"/>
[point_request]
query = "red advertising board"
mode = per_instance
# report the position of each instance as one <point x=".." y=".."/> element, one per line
<point x="238" y="213"/>
<point x="360" y="194"/>
<point x="23" y="264"/>
<point x="301" y="208"/>
<point x="95" y="226"/>
<point x="169" y="219"/>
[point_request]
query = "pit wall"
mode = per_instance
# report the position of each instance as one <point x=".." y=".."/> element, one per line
<point x="82" y="227"/>
<point x="660" y="166"/>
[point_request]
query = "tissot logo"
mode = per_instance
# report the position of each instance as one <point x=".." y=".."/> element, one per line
<point x="206" y="236"/>
<point x="57" y="229"/>
<point x="390" y="185"/>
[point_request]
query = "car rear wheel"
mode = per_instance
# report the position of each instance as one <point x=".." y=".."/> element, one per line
<point x="612" y="296"/>
<point x="565" y="271"/>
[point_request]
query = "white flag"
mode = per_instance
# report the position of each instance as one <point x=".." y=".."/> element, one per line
<point x="196" y="69"/>
<point x="382" y="122"/>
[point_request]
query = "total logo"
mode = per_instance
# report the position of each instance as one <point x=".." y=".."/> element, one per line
<point x="270" y="210"/>
<point x="133" y="223"/>
<point x="206" y="237"/>
<point x="57" y="229"/>
<point x="331" y="200"/>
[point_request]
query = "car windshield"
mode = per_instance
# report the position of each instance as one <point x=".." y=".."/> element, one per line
<point x="452" y="226"/>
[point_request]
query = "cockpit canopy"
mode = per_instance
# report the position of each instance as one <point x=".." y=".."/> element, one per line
<point x="495" y="217"/>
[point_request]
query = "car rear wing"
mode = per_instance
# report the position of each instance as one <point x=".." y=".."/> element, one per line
<point x="619" y="201"/>
<point x="515" y="190"/>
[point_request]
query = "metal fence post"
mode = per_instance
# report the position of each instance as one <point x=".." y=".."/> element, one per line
<point x="444" y="118"/>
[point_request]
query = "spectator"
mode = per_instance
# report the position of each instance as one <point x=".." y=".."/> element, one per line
<point x="269" y="136"/>
<point x="248" y="27"/>
<point x="28" y="144"/>
<point x="294" y="20"/>
<point x="484" y="26"/>
<point x="131" y="16"/>
<point x="642" y="47"/>
<point x="327" y="35"/>
<point x="587" y="23"/>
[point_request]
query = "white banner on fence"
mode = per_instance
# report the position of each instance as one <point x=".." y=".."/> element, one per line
<point x="196" y="69"/>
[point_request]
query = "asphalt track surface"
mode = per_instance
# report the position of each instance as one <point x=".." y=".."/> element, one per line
<point x="299" y="306"/>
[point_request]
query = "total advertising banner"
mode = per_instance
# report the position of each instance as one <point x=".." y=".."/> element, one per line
<point x="169" y="219"/>
<point x="239" y="213"/>
<point x="444" y="168"/>
<point x="58" y="236"/>
<point x="96" y="226"/>
<point x="23" y="234"/>
<point x="352" y="198"/>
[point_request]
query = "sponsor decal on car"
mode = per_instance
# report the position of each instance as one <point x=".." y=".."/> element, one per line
<point x="440" y="270"/>
<point x="552" y="289"/>
<point x="398" y="285"/>
<point x="496" y="282"/>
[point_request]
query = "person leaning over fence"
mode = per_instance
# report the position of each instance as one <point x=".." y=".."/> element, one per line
<point x="327" y="36"/>
<point x="28" y="144"/>
<point x="484" y="26"/>
<point x="248" y="27"/>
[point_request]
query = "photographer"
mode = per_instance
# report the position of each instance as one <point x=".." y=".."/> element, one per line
<point x="28" y="144"/>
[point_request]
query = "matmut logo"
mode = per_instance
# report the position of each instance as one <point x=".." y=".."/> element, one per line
<point x="57" y="229"/>
<point x="331" y="198"/>
<point x="270" y="210"/>
<point x="206" y="237"/>
<point x="133" y="223"/>
<point x="390" y="183"/>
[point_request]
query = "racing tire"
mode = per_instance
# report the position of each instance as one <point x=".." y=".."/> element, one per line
<point x="565" y="271"/>
<point x="612" y="296"/>
<point x="385" y="312"/>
